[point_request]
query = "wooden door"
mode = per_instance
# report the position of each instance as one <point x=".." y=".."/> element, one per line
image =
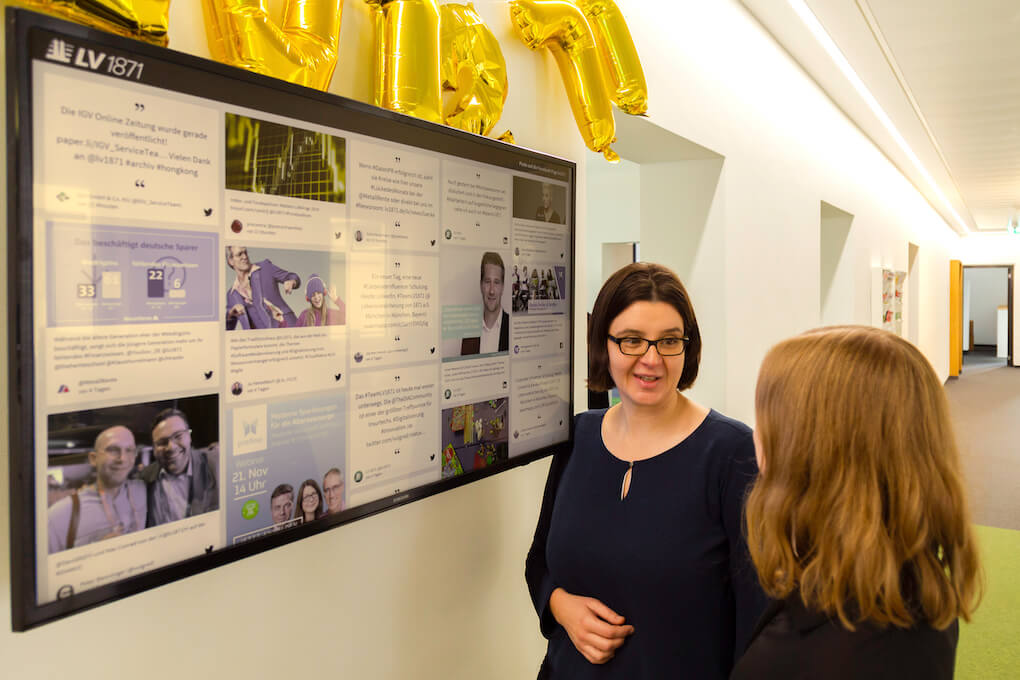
<point x="955" y="317"/>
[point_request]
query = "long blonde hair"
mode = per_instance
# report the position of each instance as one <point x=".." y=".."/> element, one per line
<point x="860" y="503"/>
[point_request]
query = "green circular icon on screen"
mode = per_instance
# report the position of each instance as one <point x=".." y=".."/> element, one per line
<point x="357" y="476"/>
<point x="250" y="509"/>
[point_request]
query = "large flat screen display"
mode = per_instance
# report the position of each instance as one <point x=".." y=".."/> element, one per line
<point x="243" y="312"/>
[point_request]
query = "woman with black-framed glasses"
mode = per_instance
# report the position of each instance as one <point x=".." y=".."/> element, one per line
<point x="309" y="504"/>
<point x="639" y="567"/>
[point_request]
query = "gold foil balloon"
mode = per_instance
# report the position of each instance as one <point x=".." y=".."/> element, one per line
<point x="407" y="57"/>
<point x="141" y="19"/>
<point x="303" y="49"/>
<point x="378" y="62"/>
<point x="619" y="55"/>
<point x="561" y="27"/>
<point x="473" y="70"/>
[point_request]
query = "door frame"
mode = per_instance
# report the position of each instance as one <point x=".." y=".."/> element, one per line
<point x="1009" y="304"/>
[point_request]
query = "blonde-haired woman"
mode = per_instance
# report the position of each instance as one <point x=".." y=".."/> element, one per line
<point x="858" y="522"/>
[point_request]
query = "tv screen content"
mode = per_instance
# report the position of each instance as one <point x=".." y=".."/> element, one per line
<point x="249" y="312"/>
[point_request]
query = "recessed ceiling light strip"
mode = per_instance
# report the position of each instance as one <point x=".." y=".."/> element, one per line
<point x="890" y="59"/>
<point x="830" y="47"/>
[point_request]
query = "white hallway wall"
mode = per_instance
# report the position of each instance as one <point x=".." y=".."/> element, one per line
<point x="614" y="214"/>
<point x="683" y="227"/>
<point x="719" y="80"/>
<point x="430" y="591"/>
<point x="837" y="301"/>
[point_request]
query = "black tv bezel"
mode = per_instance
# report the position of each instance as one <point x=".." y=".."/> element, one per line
<point x="26" y="613"/>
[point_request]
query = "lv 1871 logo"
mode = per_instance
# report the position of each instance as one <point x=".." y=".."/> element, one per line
<point x="63" y="52"/>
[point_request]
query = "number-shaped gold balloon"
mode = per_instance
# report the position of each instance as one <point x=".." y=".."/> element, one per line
<point x="407" y="57"/>
<point x="619" y="55"/>
<point x="561" y="27"/>
<point x="473" y="70"/>
<point x="142" y="19"/>
<point x="302" y="50"/>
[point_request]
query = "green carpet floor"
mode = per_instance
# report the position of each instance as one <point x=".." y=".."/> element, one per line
<point x="990" y="645"/>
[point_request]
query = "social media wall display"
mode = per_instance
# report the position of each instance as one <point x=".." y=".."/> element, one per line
<point x="254" y="310"/>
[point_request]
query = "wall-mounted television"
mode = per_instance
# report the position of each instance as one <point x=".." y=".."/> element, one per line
<point x="243" y="312"/>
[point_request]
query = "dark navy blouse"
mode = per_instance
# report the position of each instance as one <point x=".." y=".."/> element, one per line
<point x="670" y="557"/>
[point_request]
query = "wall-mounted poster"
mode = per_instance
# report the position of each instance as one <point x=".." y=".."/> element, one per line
<point x="888" y="300"/>
<point x="887" y="288"/>
<point x="249" y="312"/>
<point x="899" y="278"/>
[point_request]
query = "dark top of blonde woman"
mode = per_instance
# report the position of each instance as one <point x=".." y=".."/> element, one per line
<point x="670" y="557"/>
<point x="793" y="642"/>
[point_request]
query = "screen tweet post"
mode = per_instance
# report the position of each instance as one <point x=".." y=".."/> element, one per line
<point x="394" y="309"/>
<point x="394" y="430"/>
<point x="285" y="316"/>
<point x="285" y="362"/>
<point x="394" y="198"/>
<point x="280" y="452"/>
<point x="475" y="379"/>
<point x="117" y="152"/>
<point x="285" y="181"/>
<point x="127" y="308"/>
<point x="129" y="530"/>
<point x="536" y="336"/>
<point x="88" y="363"/>
<point x="476" y="205"/>
<point x="539" y="404"/>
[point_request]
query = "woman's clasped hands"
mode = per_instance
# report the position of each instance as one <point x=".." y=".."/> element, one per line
<point x="595" y="629"/>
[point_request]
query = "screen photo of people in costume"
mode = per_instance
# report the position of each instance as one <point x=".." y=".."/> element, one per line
<point x="300" y="289"/>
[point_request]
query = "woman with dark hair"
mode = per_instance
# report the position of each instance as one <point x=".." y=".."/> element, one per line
<point x="309" y="506"/>
<point x="638" y="567"/>
<point x="858" y="523"/>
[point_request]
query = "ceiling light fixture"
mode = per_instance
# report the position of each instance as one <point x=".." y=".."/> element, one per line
<point x="830" y="47"/>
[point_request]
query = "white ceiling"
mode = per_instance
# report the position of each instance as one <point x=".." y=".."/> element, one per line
<point x="947" y="75"/>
